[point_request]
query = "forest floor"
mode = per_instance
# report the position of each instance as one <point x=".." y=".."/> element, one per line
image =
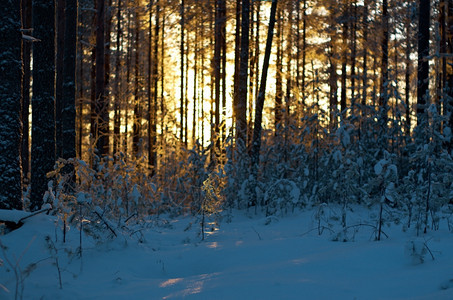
<point x="244" y="256"/>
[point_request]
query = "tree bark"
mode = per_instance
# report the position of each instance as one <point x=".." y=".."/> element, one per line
<point x="137" y="125"/>
<point x="423" y="64"/>
<point x="384" y="95"/>
<point x="278" y="76"/>
<point x="26" y="89"/>
<point x="182" y="46"/>
<point x="43" y="101"/>
<point x="365" y="58"/>
<point x="10" y="106"/>
<point x="241" y="105"/>
<point x="256" y="142"/>
<point x="101" y="106"/>
<point x="118" y="76"/>
<point x="344" y="63"/>
<point x="237" y="54"/>
<point x="60" y="15"/>
<point x="68" y="113"/>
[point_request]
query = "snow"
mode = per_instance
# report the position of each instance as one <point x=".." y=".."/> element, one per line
<point x="242" y="259"/>
<point x="13" y="215"/>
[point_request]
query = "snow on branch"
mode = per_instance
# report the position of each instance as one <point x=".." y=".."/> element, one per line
<point x="30" y="38"/>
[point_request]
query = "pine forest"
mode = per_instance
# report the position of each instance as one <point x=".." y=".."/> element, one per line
<point x="117" y="113"/>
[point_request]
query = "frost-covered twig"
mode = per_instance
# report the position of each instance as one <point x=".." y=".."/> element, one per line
<point x="54" y="250"/>
<point x="259" y="236"/>
<point x="98" y="212"/>
<point x="317" y="228"/>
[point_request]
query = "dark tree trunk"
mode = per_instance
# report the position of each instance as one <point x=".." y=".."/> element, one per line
<point x="182" y="47"/>
<point x="449" y="79"/>
<point x="408" y="73"/>
<point x="218" y="45"/>
<point x="153" y="145"/>
<point x="68" y="112"/>
<point x="443" y="44"/>
<point x="93" y="118"/>
<point x="256" y="72"/>
<point x="101" y="104"/>
<point x="129" y="37"/>
<point x="289" y="75"/>
<point x="333" y="82"/>
<point x="43" y="101"/>
<point x="304" y="51"/>
<point x="202" y="61"/>
<point x="365" y="58"/>
<point x="149" y="86"/>
<point x="118" y="85"/>
<point x="237" y="53"/>
<point x="241" y="105"/>
<point x="449" y="83"/>
<point x="353" y="56"/>
<point x="196" y="84"/>
<point x="298" y="51"/>
<point x="256" y="142"/>
<point x="186" y="91"/>
<point x="344" y="63"/>
<point x="10" y="106"/>
<point x="81" y="125"/>
<point x="60" y="15"/>
<point x="162" y="85"/>
<point x="383" y="97"/>
<point x="26" y="89"/>
<point x="223" y="77"/>
<point x="279" y="70"/>
<point x="423" y="63"/>
<point x="137" y="111"/>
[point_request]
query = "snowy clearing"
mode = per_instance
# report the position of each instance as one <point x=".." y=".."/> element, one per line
<point x="251" y="257"/>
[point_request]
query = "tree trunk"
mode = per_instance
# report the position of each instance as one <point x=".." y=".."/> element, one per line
<point x="365" y="59"/>
<point x="304" y="51"/>
<point x="237" y="53"/>
<point x="149" y="86"/>
<point x="128" y="78"/>
<point x="256" y="142"/>
<point x="218" y="39"/>
<point x="10" y="106"/>
<point x="68" y="112"/>
<point x="137" y="127"/>
<point x="343" y="101"/>
<point x="26" y="89"/>
<point x="278" y="76"/>
<point x="256" y="72"/>
<point x="43" y="101"/>
<point x="118" y="77"/>
<point x="101" y="105"/>
<point x="223" y="77"/>
<point x="60" y="15"/>
<point x="353" y="56"/>
<point x="153" y="146"/>
<point x="162" y="85"/>
<point x="423" y="63"/>
<point x="449" y="83"/>
<point x="408" y="73"/>
<point x="196" y="85"/>
<point x="182" y="46"/>
<point x="241" y="105"/>
<point x="384" y="95"/>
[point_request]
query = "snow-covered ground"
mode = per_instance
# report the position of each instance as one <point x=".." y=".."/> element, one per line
<point x="250" y="257"/>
